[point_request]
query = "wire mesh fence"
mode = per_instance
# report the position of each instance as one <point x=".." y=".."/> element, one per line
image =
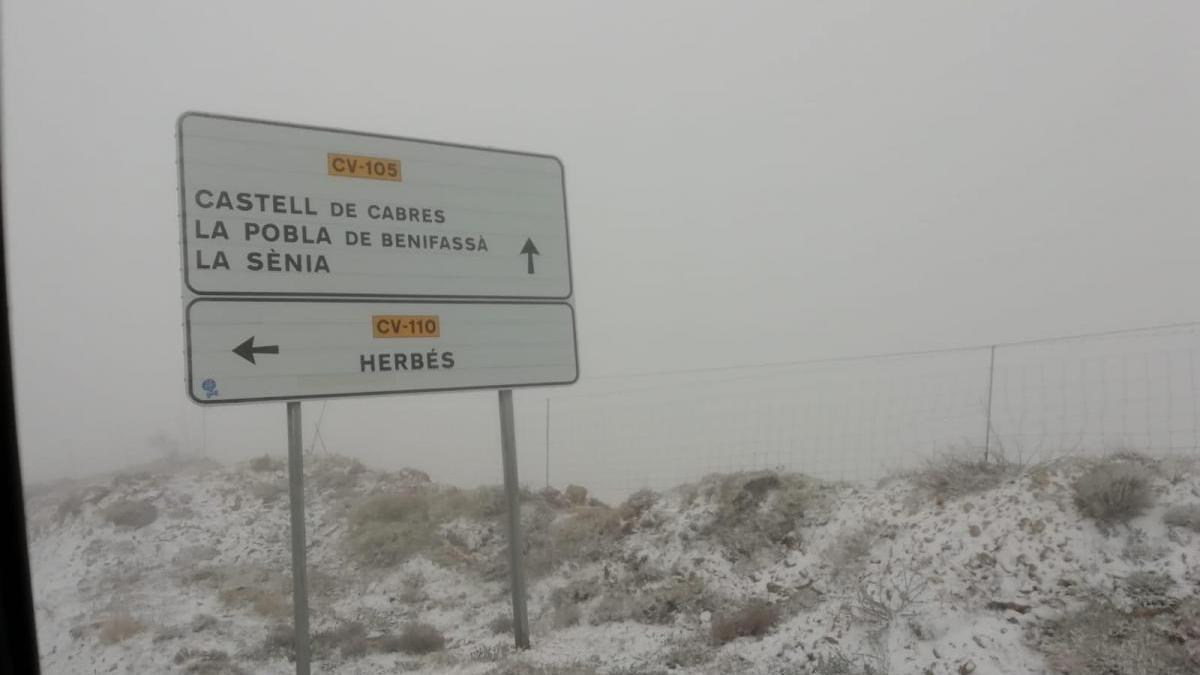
<point x="860" y="419"/>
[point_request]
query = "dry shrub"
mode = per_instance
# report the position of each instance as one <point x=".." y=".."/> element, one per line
<point x="892" y="594"/>
<point x="957" y="474"/>
<point x="1138" y="548"/>
<point x="1149" y="589"/>
<point x="387" y="644"/>
<point x="268" y="491"/>
<point x="70" y="507"/>
<point x="206" y="662"/>
<point x="387" y="529"/>
<point x="583" y="534"/>
<point x="266" y="463"/>
<point x="525" y="668"/>
<point x="491" y="653"/>
<point x="751" y="620"/>
<point x="847" y="552"/>
<point x="336" y="473"/>
<point x="638" y="503"/>
<point x="1100" y="638"/>
<point x="132" y="513"/>
<point x="1114" y="491"/>
<point x="503" y="623"/>
<point x="129" y="478"/>
<point x="349" y="638"/>
<point x="576" y="495"/>
<point x="660" y="605"/>
<point x="264" y="602"/>
<point x="281" y="638"/>
<point x="265" y="592"/>
<point x="681" y="654"/>
<point x="412" y="588"/>
<point x="541" y="558"/>
<point x="588" y="533"/>
<point x="610" y="608"/>
<point x="567" y="616"/>
<point x="575" y="592"/>
<point x="1186" y="515"/>
<point x="118" y="628"/>
<point x="759" y="509"/>
<point x="421" y="638"/>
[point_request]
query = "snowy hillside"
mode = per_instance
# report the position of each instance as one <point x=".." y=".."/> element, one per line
<point x="1074" y="567"/>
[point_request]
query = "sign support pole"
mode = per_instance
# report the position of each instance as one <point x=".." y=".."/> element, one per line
<point x="299" y="562"/>
<point x="512" y="493"/>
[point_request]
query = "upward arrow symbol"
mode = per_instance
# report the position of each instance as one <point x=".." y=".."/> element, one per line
<point x="529" y="250"/>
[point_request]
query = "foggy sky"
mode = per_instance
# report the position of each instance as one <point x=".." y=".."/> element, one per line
<point x="746" y="183"/>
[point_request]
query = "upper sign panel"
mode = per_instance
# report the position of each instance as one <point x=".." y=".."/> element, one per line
<point x="283" y="210"/>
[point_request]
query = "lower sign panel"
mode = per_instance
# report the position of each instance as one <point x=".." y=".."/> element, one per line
<point x="262" y="350"/>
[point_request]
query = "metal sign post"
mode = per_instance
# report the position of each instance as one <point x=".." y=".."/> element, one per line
<point x="512" y="493"/>
<point x="299" y="559"/>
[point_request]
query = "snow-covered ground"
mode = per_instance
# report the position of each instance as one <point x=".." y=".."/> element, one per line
<point x="185" y="567"/>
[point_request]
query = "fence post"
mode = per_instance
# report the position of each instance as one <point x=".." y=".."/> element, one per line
<point x="547" y="442"/>
<point x="987" y="439"/>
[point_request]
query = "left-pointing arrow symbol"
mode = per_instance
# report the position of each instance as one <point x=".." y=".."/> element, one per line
<point x="247" y="350"/>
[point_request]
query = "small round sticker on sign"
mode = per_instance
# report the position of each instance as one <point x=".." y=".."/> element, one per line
<point x="209" y="386"/>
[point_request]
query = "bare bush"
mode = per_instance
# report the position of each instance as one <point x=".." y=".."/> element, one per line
<point x="202" y="622"/>
<point x="610" y="608"/>
<point x="686" y="654"/>
<point x="502" y="623"/>
<point x="884" y="598"/>
<point x="280" y="639"/>
<point x="575" y="591"/>
<point x="957" y="474"/>
<point x="264" y="602"/>
<point x="576" y="495"/>
<point x="131" y="513"/>
<point x="541" y="557"/>
<point x="1186" y="515"/>
<point x="1148" y="589"/>
<point x="267" y="491"/>
<point x="757" y="510"/>
<point x="265" y="463"/>
<point x="566" y="616"/>
<point x="262" y="591"/>
<point x="1101" y="638"/>
<point x="588" y="533"/>
<point x="752" y="620"/>
<point x="421" y="638"/>
<point x="847" y="552"/>
<point x="659" y="605"/>
<point x="350" y="639"/>
<point x="118" y="628"/>
<point x="525" y="668"/>
<point x="206" y="662"/>
<point x="491" y="653"/>
<point x="70" y="507"/>
<point x="336" y="473"/>
<point x="1114" y="491"/>
<point x="387" y="529"/>
<point x="637" y="504"/>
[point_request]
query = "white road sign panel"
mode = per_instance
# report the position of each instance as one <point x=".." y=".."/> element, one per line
<point x="272" y="209"/>
<point x="243" y="350"/>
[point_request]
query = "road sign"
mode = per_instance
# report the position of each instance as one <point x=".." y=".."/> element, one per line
<point x="321" y="263"/>
<point x="282" y="210"/>
<point x="245" y="350"/>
